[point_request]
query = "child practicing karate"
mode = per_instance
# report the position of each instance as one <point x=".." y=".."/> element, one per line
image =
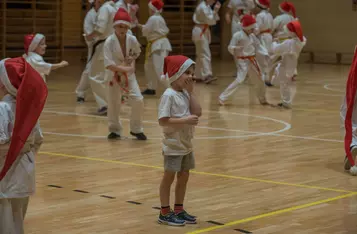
<point x="35" y="48"/>
<point x="179" y="111"/>
<point x="348" y="115"/>
<point x="102" y="30"/>
<point x="131" y="9"/>
<point x="289" y="50"/>
<point x="245" y="46"/>
<point x="158" y="46"/>
<point x="88" y="28"/>
<point x="120" y="51"/>
<point x="204" y="17"/>
<point x="23" y="94"/>
<point x="265" y="26"/>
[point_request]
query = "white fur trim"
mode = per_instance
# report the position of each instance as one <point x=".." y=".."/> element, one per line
<point x="182" y="69"/>
<point x="290" y="33"/>
<point x="35" y="41"/>
<point x="353" y="170"/>
<point x="250" y="27"/>
<point x="5" y="79"/>
<point x="262" y="6"/>
<point x="122" y="22"/>
<point x="152" y="7"/>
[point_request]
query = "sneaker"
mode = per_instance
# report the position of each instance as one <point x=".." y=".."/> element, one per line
<point x="113" y="136"/>
<point x="187" y="217"/>
<point x="80" y="99"/>
<point x="103" y="110"/>
<point x="140" y="136"/>
<point x="149" y="92"/>
<point x="268" y="83"/>
<point x="347" y="165"/>
<point x="171" y="219"/>
<point x="282" y="105"/>
<point x="209" y="79"/>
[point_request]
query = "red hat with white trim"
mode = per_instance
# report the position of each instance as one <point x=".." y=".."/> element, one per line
<point x="31" y="41"/>
<point x="263" y="3"/>
<point x="30" y="90"/>
<point x="294" y="28"/>
<point x="287" y="7"/>
<point x="156" y="5"/>
<point x="175" y="66"/>
<point x="248" y="22"/>
<point x="122" y="17"/>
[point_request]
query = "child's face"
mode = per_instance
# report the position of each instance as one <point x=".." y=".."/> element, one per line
<point x="187" y="76"/>
<point x="121" y="29"/>
<point x="250" y="31"/>
<point x="41" y="48"/>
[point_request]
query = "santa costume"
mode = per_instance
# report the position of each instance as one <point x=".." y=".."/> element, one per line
<point x="20" y="110"/>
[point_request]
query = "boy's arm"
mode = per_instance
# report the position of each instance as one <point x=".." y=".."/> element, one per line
<point x="195" y="107"/>
<point x="58" y="65"/>
<point x="109" y="60"/>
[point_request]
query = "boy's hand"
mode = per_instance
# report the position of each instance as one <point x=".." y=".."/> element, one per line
<point x="192" y="120"/>
<point x="64" y="63"/>
<point x="129" y="60"/>
<point x="189" y="85"/>
<point x="217" y="6"/>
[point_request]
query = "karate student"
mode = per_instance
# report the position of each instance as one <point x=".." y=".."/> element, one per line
<point x="204" y="17"/>
<point x="245" y="45"/>
<point x="289" y="50"/>
<point x="131" y="9"/>
<point x="102" y="30"/>
<point x="88" y="28"/>
<point x="120" y="51"/>
<point x="158" y="46"/>
<point x="23" y="94"/>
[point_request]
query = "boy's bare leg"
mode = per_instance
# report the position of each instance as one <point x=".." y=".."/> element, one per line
<point x="165" y="186"/>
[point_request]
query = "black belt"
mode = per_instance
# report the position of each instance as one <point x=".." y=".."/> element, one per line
<point x="94" y="48"/>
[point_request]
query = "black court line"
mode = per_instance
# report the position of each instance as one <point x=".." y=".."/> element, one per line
<point x="134" y="202"/>
<point x="107" y="196"/>
<point x="80" y="191"/>
<point x="214" y="222"/>
<point x="54" y="186"/>
<point x="156" y="208"/>
<point x="242" y="231"/>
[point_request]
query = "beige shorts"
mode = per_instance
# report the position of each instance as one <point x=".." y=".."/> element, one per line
<point x="179" y="163"/>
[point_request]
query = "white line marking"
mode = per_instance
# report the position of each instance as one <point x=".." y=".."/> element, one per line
<point x="327" y="87"/>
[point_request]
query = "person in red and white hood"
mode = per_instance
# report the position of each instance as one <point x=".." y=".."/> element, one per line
<point x="23" y="95"/>
<point x="348" y="113"/>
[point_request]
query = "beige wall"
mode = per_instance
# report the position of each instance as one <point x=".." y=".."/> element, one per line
<point x="330" y="27"/>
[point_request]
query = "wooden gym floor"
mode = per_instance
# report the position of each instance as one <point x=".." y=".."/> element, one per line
<point x="259" y="169"/>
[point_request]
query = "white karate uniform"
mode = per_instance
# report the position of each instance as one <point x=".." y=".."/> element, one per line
<point x="245" y="47"/>
<point x="36" y="61"/>
<point x="343" y="111"/>
<point x="122" y="4"/>
<point x="88" y="28"/>
<point x="104" y="25"/>
<point x="265" y="26"/>
<point x="19" y="182"/>
<point x="158" y="47"/>
<point x="289" y="50"/>
<point x="113" y="55"/>
<point x="203" y="17"/>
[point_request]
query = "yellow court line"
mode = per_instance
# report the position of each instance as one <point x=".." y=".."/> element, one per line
<point x="277" y="212"/>
<point x="198" y="172"/>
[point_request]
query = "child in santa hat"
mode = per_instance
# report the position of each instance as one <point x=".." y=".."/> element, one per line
<point x="120" y="51"/>
<point x="265" y="26"/>
<point x="348" y="115"/>
<point x="88" y="28"/>
<point x="245" y="46"/>
<point x="289" y="50"/>
<point x="23" y="95"/>
<point x="158" y="46"/>
<point x="204" y="17"/>
<point x="179" y="111"/>
<point x="35" y="48"/>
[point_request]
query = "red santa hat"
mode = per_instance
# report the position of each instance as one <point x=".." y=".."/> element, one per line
<point x="122" y="17"/>
<point x="175" y="66"/>
<point x="263" y="3"/>
<point x="31" y="42"/>
<point x="26" y="84"/>
<point x="287" y="7"/>
<point x="294" y="28"/>
<point x="156" y="5"/>
<point x="248" y="22"/>
<point x="351" y="88"/>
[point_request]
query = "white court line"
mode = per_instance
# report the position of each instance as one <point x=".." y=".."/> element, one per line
<point x="253" y="134"/>
<point x="327" y="87"/>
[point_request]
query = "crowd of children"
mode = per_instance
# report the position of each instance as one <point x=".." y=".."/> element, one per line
<point x="260" y="46"/>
